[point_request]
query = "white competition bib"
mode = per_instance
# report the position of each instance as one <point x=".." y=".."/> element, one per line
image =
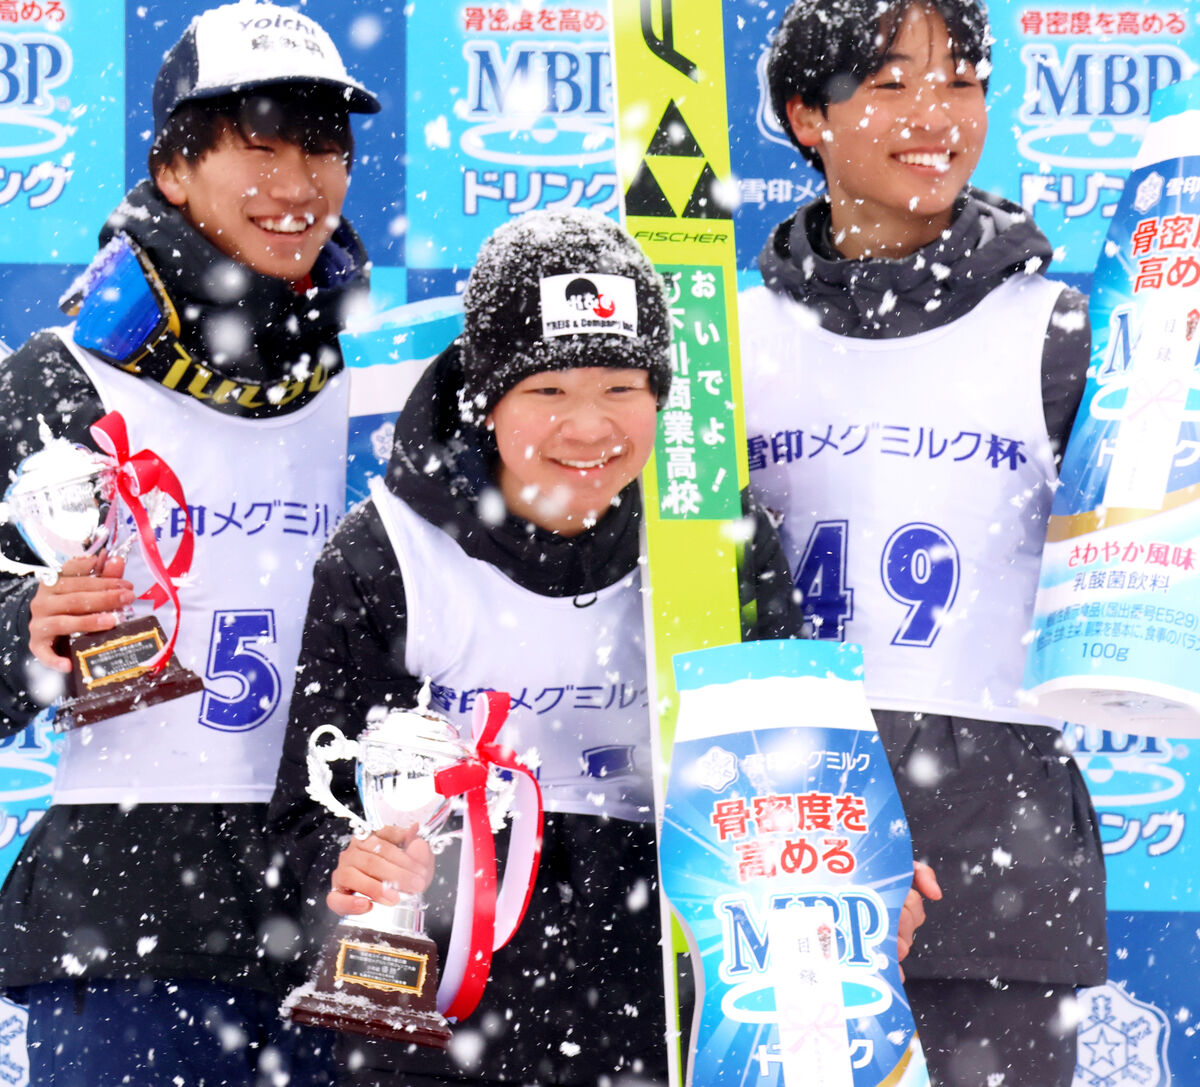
<point x="577" y="675"/>
<point x="914" y="476"/>
<point x="264" y="496"/>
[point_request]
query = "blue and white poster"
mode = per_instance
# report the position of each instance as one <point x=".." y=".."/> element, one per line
<point x="58" y="64"/>
<point x="510" y="110"/>
<point x="1069" y="100"/>
<point x="62" y="117"/>
<point x="1117" y="620"/>
<point x="1140" y="1028"/>
<point x="786" y="857"/>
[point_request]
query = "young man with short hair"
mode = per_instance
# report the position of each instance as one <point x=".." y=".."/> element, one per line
<point x="139" y="923"/>
<point x="906" y="336"/>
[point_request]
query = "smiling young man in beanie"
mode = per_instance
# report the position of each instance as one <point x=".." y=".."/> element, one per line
<point x="500" y="552"/>
<point x="139" y="922"/>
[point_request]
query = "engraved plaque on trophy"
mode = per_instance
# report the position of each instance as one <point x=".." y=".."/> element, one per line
<point x="112" y="673"/>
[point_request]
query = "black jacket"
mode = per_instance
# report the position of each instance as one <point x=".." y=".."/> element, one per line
<point x="585" y="967"/>
<point x="990" y="240"/>
<point x="160" y="890"/>
<point x="1000" y="811"/>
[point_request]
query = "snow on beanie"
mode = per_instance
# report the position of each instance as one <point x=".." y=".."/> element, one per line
<point x="555" y="291"/>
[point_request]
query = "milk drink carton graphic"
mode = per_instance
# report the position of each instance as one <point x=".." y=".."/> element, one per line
<point x="1116" y="640"/>
<point x="786" y="858"/>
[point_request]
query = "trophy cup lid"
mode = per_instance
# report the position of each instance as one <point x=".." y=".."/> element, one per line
<point x="419" y="729"/>
<point x="58" y="462"/>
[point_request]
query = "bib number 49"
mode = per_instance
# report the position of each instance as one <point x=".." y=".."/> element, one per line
<point x="919" y="568"/>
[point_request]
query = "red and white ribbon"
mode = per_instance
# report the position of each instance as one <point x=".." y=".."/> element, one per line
<point x="486" y="918"/>
<point x="138" y="474"/>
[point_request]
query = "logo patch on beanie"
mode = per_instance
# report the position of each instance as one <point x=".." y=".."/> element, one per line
<point x="589" y="302"/>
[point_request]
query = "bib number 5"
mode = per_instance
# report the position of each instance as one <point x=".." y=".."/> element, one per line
<point x="247" y="679"/>
<point x="919" y="568"/>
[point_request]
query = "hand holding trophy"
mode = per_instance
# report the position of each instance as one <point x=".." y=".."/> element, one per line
<point x="65" y="501"/>
<point x="378" y="973"/>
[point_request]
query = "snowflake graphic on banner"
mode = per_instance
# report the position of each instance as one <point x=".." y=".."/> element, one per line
<point x="1122" y="1041"/>
<point x="14" y="1064"/>
<point x="718" y="769"/>
<point x="1149" y="192"/>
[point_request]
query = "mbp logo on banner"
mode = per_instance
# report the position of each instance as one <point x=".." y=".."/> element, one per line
<point x="56" y="108"/>
<point x="512" y="113"/>
<point x="1073" y="86"/>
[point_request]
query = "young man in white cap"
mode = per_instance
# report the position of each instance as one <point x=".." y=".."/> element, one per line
<point x="138" y="923"/>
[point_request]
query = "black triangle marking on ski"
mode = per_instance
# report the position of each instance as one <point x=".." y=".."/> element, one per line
<point x="645" y="196"/>
<point x="673" y="137"/>
<point x="705" y="201"/>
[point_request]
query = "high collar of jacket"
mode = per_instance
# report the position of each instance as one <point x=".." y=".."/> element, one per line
<point x="989" y="240"/>
<point x="444" y="468"/>
<point x="243" y="324"/>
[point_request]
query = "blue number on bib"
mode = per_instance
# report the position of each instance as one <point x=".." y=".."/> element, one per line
<point x="920" y="568"/>
<point x="821" y="578"/>
<point x="232" y="656"/>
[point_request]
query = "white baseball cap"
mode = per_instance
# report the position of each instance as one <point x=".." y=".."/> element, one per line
<point x="237" y="47"/>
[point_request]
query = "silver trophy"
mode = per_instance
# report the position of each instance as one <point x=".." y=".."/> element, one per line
<point x="377" y="974"/>
<point x="64" y="501"/>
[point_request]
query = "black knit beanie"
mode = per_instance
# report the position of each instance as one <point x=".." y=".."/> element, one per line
<point x="556" y="290"/>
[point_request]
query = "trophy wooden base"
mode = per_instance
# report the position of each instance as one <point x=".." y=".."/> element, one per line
<point x="374" y="983"/>
<point x="110" y="677"/>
